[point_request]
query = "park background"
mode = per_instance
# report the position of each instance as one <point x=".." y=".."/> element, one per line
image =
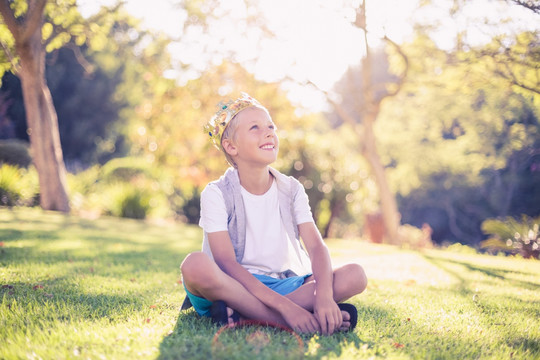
<point x="413" y="123"/>
<point x="437" y="128"/>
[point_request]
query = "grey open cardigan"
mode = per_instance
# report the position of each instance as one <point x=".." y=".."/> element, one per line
<point x="229" y="184"/>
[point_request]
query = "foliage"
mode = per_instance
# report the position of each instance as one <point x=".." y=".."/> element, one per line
<point x="111" y="288"/>
<point x="461" y="249"/>
<point x="10" y="190"/>
<point x="18" y="186"/>
<point x="15" y="152"/>
<point x="63" y="23"/>
<point x="124" y="187"/>
<point x="336" y="179"/>
<point x="167" y="130"/>
<point x="94" y="87"/>
<point x="471" y="149"/>
<point x="127" y="200"/>
<point x="412" y="237"/>
<point x="126" y="169"/>
<point x="513" y="236"/>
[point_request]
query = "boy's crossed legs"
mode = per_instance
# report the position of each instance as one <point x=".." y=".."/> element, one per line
<point x="203" y="278"/>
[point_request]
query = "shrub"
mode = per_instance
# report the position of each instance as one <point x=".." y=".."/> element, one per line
<point x="513" y="236"/>
<point x="15" y="152"/>
<point x="415" y="238"/>
<point x="29" y="187"/>
<point x="125" y="187"/>
<point x="18" y="186"/>
<point x="126" y="200"/>
<point x="10" y="185"/>
<point x="83" y="191"/>
<point x="461" y="249"/>
<point x="125" y="169"/>
<point x="84" y="181"/>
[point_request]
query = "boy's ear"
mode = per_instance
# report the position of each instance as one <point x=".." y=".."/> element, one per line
<point x="229" y="147"/>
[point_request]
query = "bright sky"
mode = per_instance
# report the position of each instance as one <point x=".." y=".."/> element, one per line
<point x="314" y="39"/>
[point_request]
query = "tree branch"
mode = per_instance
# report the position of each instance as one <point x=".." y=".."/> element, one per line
<point x="510" y="76"/>
<point x="15" y="66"/>
<point x="9" y="19"/>
<point x="403" y="75"/>
<point x="34" y="19"/>
<point x="528" y="4"/>
<point x="87" y="66"/>
<point x="339" y="109"/>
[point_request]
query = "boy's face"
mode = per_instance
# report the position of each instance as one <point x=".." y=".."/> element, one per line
<point x="255" y="141"/>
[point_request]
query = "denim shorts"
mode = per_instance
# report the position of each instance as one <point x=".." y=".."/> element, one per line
<point x="281" y="286"/>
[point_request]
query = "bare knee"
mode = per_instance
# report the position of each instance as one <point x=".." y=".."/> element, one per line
<point x="358" y="277"/>
<point x="197" y="269"/>
<point x="349" y="280"/>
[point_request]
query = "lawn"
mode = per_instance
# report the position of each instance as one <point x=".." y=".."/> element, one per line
<point x="111" y="289"/>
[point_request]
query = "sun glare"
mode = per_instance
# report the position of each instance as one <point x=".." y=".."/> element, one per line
<point x="314" y="40"/>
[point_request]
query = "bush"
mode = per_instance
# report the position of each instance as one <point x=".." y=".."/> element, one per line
<point x="10" y="185"/>
<point x="126" y="200"/>
<point x="415" y="238"/>
<point x="18" y="186"/>
<point x="125" y="169"/>
<point x="84" y="182"/>
<point x="29" y="187"/>
<point x="461" y="249"/>
<point x="513" y="236"/>
<point x="15" y="152"/>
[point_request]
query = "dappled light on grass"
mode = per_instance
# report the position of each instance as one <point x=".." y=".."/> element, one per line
<point x="384" y="262"/>
<point x="116" y="291"/>
<point x="254" y="339"/>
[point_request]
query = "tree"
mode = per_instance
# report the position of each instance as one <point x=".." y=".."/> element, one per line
<point x="513" y="59"/>
<point x="95" y="87"/>
<point x="85" y="103"/>
<point x="25" y="21"/>
<point x="467" y="147"/>
<point x="370" y="94"/>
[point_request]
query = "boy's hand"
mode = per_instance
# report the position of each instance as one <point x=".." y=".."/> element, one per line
<point x="300" y="319"/>
<point x="328" y="314"/>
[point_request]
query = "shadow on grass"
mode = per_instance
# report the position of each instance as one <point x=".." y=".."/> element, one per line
<point x="499" y="274"/>
<point x="499" y="311"/>
<point x="65" y="302"/>
<point x="88" y="250"/>
<point x="192" y="338"/>
<point x="490" y="272"/>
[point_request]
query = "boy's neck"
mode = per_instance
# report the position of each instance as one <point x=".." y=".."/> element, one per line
<point x="256" y="181"/>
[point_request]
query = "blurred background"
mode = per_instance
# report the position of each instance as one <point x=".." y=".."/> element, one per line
<point x="408" y="122"/>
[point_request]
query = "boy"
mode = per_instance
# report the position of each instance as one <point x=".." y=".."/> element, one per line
<point x="253" y="264"/>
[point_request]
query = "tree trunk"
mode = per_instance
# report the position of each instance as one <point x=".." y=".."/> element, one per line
<point x="42" y="124"/>
<point x="389" y="209"/>
<point x="336" y="207"/>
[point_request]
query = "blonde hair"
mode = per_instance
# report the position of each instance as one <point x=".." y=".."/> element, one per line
<point x="230" y="132"/>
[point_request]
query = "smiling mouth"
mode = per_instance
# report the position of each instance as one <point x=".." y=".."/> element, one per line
<point x="268" y="147"/>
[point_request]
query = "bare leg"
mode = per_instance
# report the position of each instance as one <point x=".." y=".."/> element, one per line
<point x="202" y="277"/>
<point x="349" y="280"/>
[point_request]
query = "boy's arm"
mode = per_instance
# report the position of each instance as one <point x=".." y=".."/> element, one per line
<point x="324" y="307"/>
<point x="294" y="315"/>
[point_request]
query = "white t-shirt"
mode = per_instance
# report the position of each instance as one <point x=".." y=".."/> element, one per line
<point x="268" y="248"/>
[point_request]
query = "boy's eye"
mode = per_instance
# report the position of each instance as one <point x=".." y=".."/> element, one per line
<point x="254" y="127"/>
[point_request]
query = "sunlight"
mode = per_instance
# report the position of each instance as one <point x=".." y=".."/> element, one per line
<point x="314" y="41"/>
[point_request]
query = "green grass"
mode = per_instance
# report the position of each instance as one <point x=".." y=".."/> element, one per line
<point x="109" y="289"/>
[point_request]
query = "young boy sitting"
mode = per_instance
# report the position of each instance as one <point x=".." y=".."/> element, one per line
<point x="252" y="262"/>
